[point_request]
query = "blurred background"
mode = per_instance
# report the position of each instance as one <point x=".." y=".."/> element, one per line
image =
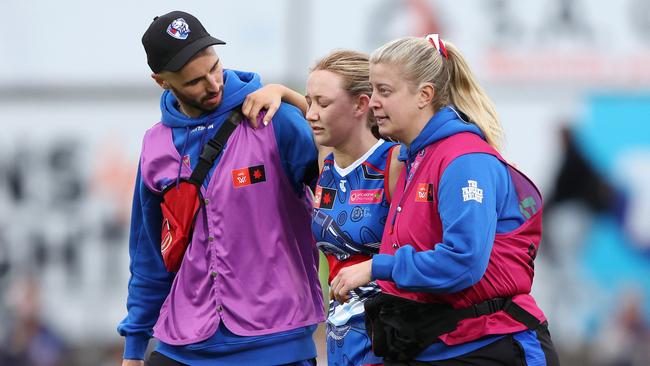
<point x="570" y="79"/>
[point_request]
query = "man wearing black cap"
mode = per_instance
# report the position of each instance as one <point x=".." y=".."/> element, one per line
<point x="247" y="289"/>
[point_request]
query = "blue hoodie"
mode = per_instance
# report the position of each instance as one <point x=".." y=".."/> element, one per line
<point x="150" y="282"/>
<point x="468" y="230"/>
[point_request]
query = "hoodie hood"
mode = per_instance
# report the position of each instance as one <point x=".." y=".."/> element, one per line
<point x="237" y="85"/>
<point x="446" y="122"/>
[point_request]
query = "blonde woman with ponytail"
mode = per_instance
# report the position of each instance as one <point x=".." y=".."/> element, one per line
<point x="455" y="265"/>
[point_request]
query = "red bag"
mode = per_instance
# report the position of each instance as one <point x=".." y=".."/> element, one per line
<point x="181" y="201"/>
<point x="179" y="207"/>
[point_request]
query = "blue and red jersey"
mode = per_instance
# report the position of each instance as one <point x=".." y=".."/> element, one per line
<point x="350" y="209"/>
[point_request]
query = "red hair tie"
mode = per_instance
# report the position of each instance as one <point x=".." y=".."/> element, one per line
<point x="435" y="40"/>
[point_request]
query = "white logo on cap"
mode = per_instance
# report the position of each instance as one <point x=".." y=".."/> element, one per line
<point x="179" y="29"/>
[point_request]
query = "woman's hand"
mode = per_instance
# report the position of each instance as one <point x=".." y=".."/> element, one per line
<point x="268" y="97"/>
<point x="350" y="278"/>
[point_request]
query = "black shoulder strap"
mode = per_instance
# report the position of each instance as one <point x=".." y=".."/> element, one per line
<point x="213" y="147"/>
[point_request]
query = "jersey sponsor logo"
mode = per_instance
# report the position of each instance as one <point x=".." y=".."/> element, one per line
<point x="178" y="29"/>
<point x="247" y="176"/>
<point x="324" y="197"/>
<point x="424" y="192"/>
<point x="366" y="196"/>
<point x="472" y="192"/>
<point x="342" y="185"/>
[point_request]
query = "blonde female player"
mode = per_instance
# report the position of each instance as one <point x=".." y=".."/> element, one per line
<point x="353" y="191"/>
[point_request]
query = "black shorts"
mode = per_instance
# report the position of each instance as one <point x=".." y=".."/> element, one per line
<point x="158" y="359"/>
<point x="515" y="350"/>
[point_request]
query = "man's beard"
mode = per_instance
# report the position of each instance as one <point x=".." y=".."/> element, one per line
<point x="193" y="102"/>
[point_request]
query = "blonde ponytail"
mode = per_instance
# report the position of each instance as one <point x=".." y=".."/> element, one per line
<point x="468" y="96"/>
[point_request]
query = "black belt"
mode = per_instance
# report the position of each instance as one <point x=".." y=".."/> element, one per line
<point x="401" y="328"/>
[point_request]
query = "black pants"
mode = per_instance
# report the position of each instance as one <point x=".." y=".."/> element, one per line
<point x="158" y="359"/>
<point x="506" y="351"/>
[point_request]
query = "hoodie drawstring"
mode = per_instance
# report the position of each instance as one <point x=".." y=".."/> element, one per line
<point x="180" y="163"/>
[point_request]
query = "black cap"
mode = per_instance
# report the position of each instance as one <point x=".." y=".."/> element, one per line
<point x="173" y="39"/>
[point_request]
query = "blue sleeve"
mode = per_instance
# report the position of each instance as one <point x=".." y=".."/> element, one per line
<point x="467" y="203"/>
<point x="298" y="153"/>
<point x="150" y="282"/>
